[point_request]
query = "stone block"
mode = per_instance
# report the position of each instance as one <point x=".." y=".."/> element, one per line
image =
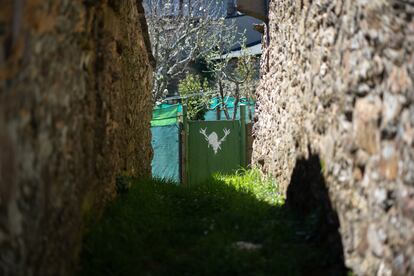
<point x="366" y="128"/>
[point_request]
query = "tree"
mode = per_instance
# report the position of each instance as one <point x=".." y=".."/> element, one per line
<point x="182" y="31"/>
<point x="236" y="75"/>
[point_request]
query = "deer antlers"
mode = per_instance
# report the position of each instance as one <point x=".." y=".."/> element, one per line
<point x="226" y="133"/>
<point x="203" y="131"/>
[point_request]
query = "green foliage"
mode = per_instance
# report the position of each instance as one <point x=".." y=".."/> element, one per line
<point x="323" y="167"/>
<point x="197" y="105"/>
<point x="159" y="228"/>
<point x="255" y="183"/>
<point x="122" y="184"/>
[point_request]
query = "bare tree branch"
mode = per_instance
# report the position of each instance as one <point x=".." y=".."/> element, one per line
<point x="181" y="32"/>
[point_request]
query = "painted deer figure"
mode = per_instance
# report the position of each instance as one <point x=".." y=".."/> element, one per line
<point x="213" y="140"/>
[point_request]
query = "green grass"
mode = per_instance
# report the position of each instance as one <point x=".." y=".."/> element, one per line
<point x="159" y="228"/>
<point x="263" y="188"/>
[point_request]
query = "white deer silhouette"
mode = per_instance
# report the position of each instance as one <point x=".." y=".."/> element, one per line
<point x="213" y="140"/>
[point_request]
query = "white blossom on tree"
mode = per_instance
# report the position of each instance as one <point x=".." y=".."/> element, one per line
<point x="181" y="32"/>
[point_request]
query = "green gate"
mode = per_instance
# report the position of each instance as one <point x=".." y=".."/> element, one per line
<point x="213" y="146"/>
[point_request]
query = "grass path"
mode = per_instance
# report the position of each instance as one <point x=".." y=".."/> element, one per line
<point x="233" y="225"/>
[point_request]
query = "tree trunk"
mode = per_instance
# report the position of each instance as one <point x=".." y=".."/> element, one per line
<point x="180" y="7"/>
<point x="236" y="101"/>
<point x="226" y="112"/>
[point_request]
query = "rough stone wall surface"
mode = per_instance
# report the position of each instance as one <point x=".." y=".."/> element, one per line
<point x="338" y="81"/>
<point x="75" y="109"/>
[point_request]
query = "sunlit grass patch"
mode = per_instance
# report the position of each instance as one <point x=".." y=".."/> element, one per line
<point x="252" y="181"/>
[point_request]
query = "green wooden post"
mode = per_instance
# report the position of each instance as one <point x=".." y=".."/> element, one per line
<point x="185" y="116"/>
<point x="243" y="136"/>
<point x="184" y="160"/>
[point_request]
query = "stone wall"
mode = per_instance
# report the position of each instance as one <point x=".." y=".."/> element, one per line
<point x="338" y="82"/>
<point x="75" y="107"/>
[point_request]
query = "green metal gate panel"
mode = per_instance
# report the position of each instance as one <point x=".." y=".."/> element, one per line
<point x="213" y="146"/>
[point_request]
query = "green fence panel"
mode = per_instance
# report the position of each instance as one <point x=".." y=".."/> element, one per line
<point x="211" y="115"/>
<point x="165" y="115"/>
<point x="166" y="145"/>
<point x="213" y="146"/>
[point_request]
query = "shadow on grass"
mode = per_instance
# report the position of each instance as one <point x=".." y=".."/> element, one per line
<point x="160" y="228"/>
<point x="308" y="199"/>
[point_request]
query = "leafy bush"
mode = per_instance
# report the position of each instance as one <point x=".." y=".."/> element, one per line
<point x="194" y="89"/>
